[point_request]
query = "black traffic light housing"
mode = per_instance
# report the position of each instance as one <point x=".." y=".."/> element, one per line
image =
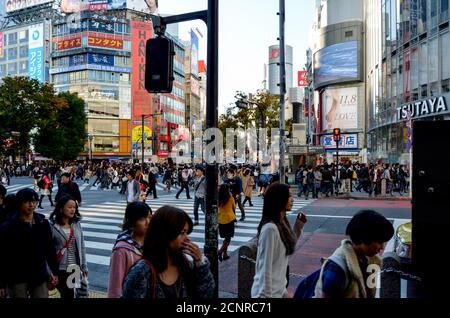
<point x="336" y="134"/>
<point x="159" y="53"/>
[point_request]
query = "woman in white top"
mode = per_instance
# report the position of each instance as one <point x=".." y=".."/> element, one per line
<point x="276" y="241"/>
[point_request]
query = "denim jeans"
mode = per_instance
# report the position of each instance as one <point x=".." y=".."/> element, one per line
<point x="197" y="202"/>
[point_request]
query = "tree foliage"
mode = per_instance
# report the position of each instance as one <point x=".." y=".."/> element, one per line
<point x="64" y="135"/>
<point x="29" y="110"/>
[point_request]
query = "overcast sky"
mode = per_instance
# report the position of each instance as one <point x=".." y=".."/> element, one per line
<point x="247" y="28"/>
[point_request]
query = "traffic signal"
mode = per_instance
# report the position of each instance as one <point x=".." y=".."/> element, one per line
<point x="159" y="54"/>
<point x="337" y="134"/>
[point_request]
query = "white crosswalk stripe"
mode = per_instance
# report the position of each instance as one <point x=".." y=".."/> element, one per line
<point x="101" y="222"/>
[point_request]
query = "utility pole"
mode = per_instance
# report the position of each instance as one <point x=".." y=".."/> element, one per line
<point x="282" y="89"/>
<point x="212" y="119"/>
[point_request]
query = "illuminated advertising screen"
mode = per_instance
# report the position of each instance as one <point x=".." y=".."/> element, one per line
<point x="336" y="63"/>
<point x="340" y="108"/>
<point x="14" y="5"/>
<point x="194" y="53"/>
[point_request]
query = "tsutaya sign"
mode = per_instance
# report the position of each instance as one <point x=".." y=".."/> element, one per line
<point x="423" y="108"/>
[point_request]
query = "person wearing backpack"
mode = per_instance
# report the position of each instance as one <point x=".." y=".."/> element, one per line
<point x="128" y="247"/>
<point x="348" y="273"/>
<point x="276" y="242"/>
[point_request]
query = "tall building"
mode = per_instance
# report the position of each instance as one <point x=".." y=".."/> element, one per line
<point x="274" y="68"/>
<point x="192" y="96"/>
<point x="101" y="58"/>
<point x="409" y="78"/>
<point x="338" y="78"/>
<point x="25" y="41"/>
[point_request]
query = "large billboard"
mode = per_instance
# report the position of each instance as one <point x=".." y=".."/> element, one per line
<point x="340" y="108"/>
<point x="14" y="5"/>
<point x="194" y="54"/>
<point x="141" y="103"/>
<point x="336" y="63"/>
<point x="36" y="52"/>
<point x="72" y="6"/>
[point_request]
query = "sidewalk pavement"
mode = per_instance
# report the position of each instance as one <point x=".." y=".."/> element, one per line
<point x="305" y="260"/>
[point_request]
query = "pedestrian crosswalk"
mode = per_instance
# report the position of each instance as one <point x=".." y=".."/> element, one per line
<point x="100" y="223"/>
<point x="13" y="189"/>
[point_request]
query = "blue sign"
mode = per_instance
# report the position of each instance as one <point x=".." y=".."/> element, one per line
<point x="348" y="141"/>
<point x="101" y="59"/>
<point x="58" y="70"/>
<point x="135" y="146"/>
<point x="36" y="66"/>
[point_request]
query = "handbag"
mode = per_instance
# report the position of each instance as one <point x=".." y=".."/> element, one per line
<point x="83" y="290"/>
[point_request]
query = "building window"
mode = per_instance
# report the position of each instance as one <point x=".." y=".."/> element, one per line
<point x="23" y="36"/>
<point x="12" y="68"/>
<point x="433" y="60"/>
<point x="23" y="67"/>
<point x="445" y="62"/>
<point x="12" y="38"/>
<point x="433" y="15"/>
<point x="12" y="53"/>
<point x="23" y="51"/>
<point x="422" y="23"/>
<point x="444" y="11"/>
<point x="423" y="64"/>
<point x="414" y="70"/>
<point x="445" y="86"/>
<point x="414" y="17"/>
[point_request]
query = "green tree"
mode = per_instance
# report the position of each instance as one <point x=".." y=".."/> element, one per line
<point x="63" y="135"/>
<point x="23" y="102"/>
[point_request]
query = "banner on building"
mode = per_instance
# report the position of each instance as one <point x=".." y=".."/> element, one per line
<point x="302" y="80"/>
<point x="141" y="100"/>
<point x="348" y="141"/>
<point x="1" y="44"/>
<point x="36" y="52"/>
<point x="340" y="108"/>
<point x="68" y="43"/>
<point x="194" y="54"/>
<point x="104" y="42"/>
<point x="14" y="5"/>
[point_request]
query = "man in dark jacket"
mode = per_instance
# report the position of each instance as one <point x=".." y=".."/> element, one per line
<point x="27" y="250"/>
<point x="235" y="183"/>
<point x="68" y="187"/>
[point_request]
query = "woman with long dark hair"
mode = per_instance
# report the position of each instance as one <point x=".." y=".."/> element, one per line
<point x="276" y="241"/>
<point x="172" y="266"/>
<point x="226" y="218"/>
<point x="129" y="245"/>
<point x="68" y="241"/>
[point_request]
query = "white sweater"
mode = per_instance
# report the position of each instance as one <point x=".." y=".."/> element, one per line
<point x="271" y="263"/>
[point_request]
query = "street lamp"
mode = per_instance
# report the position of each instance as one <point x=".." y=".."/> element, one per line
<point x="142" y="137"/>
<point x="90" y="137"/>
